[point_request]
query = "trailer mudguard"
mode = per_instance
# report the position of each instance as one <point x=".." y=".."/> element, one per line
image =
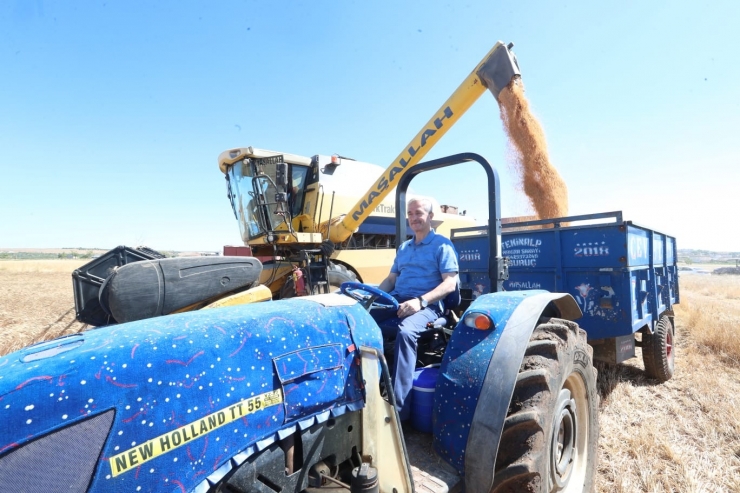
<point x="478" y="375"/>
<point x="173" y="403"/>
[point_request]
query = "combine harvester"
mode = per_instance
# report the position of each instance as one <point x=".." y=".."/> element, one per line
<point x="296" y="226"/>
<point x="293" y="395"/>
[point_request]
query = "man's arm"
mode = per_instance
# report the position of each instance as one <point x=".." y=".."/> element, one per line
<point x="448" y="284"/>
<point x="388" y="283"/>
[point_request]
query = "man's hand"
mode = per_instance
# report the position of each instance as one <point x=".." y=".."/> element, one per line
<point x="409" y="307"/>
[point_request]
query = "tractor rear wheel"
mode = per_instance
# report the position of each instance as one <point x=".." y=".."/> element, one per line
<point x="549" y="441"/>
<point x="658" y="350"/>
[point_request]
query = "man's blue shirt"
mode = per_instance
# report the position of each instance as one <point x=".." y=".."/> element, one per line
<point x="420" y="267"/>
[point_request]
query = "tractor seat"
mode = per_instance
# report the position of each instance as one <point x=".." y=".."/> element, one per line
<point x="450" y="302"/>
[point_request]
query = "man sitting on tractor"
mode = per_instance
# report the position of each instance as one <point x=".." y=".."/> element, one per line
<point x="423" y="273"/>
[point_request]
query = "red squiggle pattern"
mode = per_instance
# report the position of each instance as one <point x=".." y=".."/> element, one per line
<point x="45" y="377"/>
<point x="122" y="385"/>
<point x="241" y="346"/>
<point x="137" y="414"/>
<point x="8" y="446"/>
<point x="185" y="363"/>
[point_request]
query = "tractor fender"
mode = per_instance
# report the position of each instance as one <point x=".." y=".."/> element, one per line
<point x="478" y="376"/>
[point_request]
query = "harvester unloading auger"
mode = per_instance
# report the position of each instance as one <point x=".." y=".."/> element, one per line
<point x="281" y="200"/>
<point x="496" y="71"/>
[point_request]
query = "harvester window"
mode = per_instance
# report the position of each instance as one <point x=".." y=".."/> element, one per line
<point x="246" y="207"/>
<point x="297" y="186"/>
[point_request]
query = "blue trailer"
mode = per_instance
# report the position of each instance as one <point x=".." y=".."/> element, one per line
<point x="623" y="276"/>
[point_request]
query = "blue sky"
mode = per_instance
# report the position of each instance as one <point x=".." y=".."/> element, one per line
<point x="112" y="113"/>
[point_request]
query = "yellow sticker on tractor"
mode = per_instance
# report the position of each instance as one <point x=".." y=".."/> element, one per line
<point x="135" y="456"/>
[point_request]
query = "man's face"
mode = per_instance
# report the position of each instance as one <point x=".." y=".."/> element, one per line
<point x="419" y="219"/>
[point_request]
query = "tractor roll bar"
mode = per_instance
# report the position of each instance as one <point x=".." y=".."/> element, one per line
<point x="497" y="267"/>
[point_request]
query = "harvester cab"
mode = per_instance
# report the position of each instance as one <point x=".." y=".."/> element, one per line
<point x="266" y="190"/>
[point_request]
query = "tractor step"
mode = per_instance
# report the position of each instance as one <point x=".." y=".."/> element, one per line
<point x="431" y="473"/>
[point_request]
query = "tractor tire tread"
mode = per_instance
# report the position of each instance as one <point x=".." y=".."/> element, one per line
<point x="339" y="273"/>
<point x="549" y="361"/>
<point x="545" y="348"/>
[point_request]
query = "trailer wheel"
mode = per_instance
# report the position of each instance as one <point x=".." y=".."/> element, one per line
<point x="549" y="441"/>
<point x="658" y="350"/>
<point x="338" y="274"/>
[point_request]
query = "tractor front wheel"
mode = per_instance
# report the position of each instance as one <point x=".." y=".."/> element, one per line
<point x="549" y="441"/>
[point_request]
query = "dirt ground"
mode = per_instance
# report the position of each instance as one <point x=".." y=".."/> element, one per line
<point x="681" y="436"/>
<point x="36" y="302"/>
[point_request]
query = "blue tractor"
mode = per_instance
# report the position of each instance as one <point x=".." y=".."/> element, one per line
<point x="294" y="395"/>
<point x="181" y="389"/>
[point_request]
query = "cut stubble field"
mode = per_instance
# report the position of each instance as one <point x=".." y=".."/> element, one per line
<point x="682" y="436"/>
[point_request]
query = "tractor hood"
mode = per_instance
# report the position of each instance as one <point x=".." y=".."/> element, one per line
<point x="165" y="403"/>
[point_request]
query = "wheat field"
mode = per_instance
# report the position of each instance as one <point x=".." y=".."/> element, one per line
<point x="679" y="437"/>
<point x="683" y="435"/>
<point x="36" y="301"/>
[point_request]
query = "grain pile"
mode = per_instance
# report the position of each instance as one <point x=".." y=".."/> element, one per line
<point x="540" y="181"/>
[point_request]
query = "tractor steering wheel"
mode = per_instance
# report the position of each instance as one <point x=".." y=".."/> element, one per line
<point x="370" y="297"/>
